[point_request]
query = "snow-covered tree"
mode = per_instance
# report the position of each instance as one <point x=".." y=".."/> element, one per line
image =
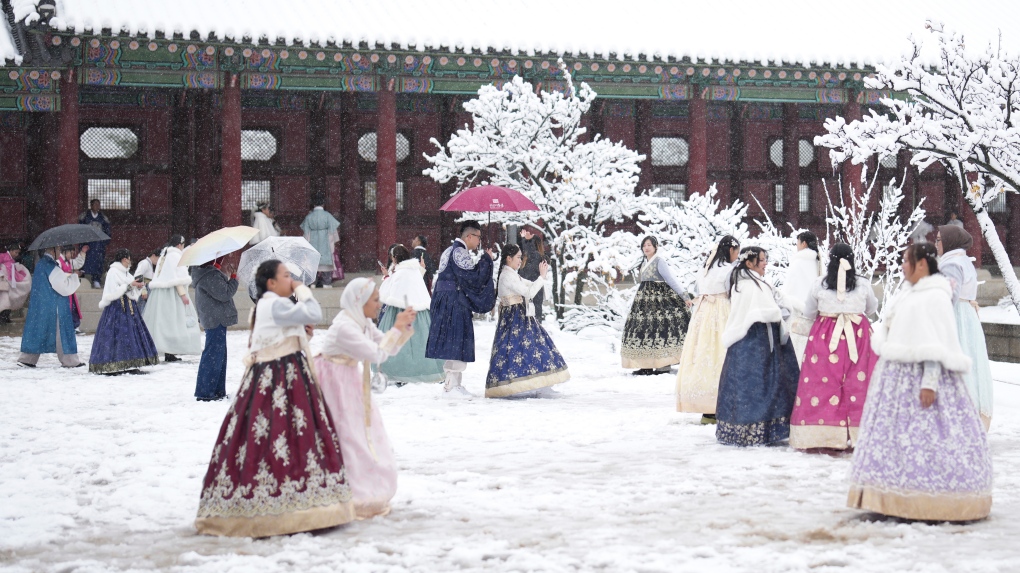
<point x="532" y="142"/>
<point x="963" y="112"/>
<point x="876" y="237"/>
<point x="780" y="245"/>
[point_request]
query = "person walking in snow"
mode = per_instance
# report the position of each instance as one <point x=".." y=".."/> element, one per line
<point x="48" y="326"/>
<point x="169" y="313"/>
<point x="122" y="342"/>
<point x="321" y="231"/>
<point x="404" y="288"/>
<point x="215" y="285"/>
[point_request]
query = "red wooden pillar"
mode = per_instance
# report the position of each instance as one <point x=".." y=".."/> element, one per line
<point x="68" y="183"/>
<point x="230" y="153"/>
<point x="791" y="164"/>
<point x="852" y="173"/>
<point x="386" y="173"/>
<point x="697" y="169"/>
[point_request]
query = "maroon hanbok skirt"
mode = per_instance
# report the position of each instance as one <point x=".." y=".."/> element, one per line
<point x="276" y="467"/>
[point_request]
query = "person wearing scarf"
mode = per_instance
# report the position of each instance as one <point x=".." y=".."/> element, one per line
<point x="697" y="377"/>
<point x="276" y="467"/>
<point x="838" y="359"/>
<point x="922" y="452"/>
<point x="758" y="382"/>
<point x="344" y="363"/>
<point x="653" y="335"/>
<point x="952" y="243"/>
<point x="122" y="342"/>
<point x="15" y="283"/>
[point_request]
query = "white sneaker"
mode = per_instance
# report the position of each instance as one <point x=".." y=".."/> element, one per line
<point x="457" y="393"/>
<point x="547" y="392"/>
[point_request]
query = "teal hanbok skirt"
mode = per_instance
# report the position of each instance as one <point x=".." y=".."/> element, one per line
<point x="410" y="365"/>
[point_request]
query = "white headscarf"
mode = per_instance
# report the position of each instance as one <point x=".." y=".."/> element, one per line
<point x="356" y="294"/>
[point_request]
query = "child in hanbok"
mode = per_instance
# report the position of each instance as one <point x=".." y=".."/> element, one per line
<point x="122" y="342"/>
<point x="758" y="382"/>
<point x="350" y="347"/>
<point x="952" y="244"/>
<point x="405" y="288"/>
<point x="524" y="357"/>
<point x="169" y="313"/>
<point x="802" y="274"/>
<point x="922" y="453"/>
<point x="653" y="335"/>
<point x="276" y="467"/>
<point x="697" y="378"/>
<point x="15" y="283"/>
<point x="838" y="363"/>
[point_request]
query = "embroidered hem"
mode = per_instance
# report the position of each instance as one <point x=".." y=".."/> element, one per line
<point x="654" y="361"/>
<point x="918" y="505"/>
<point x="122" y="365"/>
<point x="756" y="434"/>
<point x="832" y="437"/>
<point x="282" y="524"/>
<point x="528" y="383"/>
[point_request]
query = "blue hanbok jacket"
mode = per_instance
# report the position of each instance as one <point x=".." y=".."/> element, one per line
<point x="47" y="311"/>
<point x="95" y="259"/>
<point x="462" y="287"/>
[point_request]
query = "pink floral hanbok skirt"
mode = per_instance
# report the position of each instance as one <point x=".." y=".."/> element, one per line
<point x="832" y="387"/>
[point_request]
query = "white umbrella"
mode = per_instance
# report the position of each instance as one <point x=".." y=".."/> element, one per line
<point x="216" y="244"/>
<point x="294" y="250"/>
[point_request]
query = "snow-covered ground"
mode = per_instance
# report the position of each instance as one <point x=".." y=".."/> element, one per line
<point x="999" y="314"/>
<point x="103" y="474"/>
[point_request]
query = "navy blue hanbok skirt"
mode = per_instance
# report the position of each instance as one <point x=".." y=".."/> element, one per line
<point x="757" y="388"/>
<point x="122" y="341"/>
<point x="524" y="357"/>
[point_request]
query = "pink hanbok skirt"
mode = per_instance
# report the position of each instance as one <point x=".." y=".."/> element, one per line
<point x="368" y="457"/>
<point x="831" y="388"/>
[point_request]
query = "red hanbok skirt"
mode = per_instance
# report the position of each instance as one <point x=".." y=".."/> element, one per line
<point x="276" y="467"/>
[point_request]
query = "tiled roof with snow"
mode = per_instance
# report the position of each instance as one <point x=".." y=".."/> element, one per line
<point x="797" y="32"/>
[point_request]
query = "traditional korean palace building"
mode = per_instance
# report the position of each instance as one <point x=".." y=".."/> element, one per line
<point x="184" y="131"/>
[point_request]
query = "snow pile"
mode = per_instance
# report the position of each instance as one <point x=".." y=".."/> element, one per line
<point x="104" y="473"/>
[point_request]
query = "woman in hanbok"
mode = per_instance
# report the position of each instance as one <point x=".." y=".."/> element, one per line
<point x="122" y="342"/>
<point x="524" y="357"/>
<point x="837" y="366"/>
<point x="351" y="346"/>
<point x="758" y="382"/>
<point x="801" y="275"/>
<point x="169" y="312"/>
<point x="697" y="378"/>
<point x="276" y="467"/>
<point x="923" y="453"/>
<point x="952" y="243"/>
<point x="15" y="283"/>
<point x="653" y="335"/>
<point x="405" y="288"/>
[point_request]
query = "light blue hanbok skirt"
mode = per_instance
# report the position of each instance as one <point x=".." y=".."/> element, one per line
<point x="979" y="379"/>
<point x="410" y="364"/>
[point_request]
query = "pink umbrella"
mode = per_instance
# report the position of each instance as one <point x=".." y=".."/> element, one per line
<point x="489" y="198"/>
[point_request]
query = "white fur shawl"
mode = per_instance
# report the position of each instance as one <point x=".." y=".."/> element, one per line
<point x="750" y="304"/>
<point x="168" y="274"/>
<point x="920" y="325"/>
<point x="406" y="281"/>
<point x="801" y="275"/>
<point x="118" y="282"/>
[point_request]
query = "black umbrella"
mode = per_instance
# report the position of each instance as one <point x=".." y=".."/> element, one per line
<point x="67" y="235"/>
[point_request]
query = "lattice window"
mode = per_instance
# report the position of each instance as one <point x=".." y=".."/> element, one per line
<point x="779" y="198"/>
<point x="108" y="142"/>
<point x="805" y="153"/>
<point x="998" y="205"/>
<point x="113" y="194"/>
<point x="675" y="192"/>
<point x="888" y="161"/>
<point x="370" y="193"/>
<point x="367" y="145"/>
<point x="254" y="192"/>
<point x="670" y="152"/>
<point x="257" y="145"/>
<point x="804" y="198"/>
<point x="776" y="153"/>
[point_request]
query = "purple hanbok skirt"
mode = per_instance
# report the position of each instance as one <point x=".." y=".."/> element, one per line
<point x="122" y="340"/>
<point x="920" y="463"/>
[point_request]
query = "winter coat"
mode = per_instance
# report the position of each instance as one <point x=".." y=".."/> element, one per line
<point x="214" y="297"/>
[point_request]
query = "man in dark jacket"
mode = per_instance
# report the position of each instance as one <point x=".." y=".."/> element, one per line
<point x="531" y="246"/>
<point x="420" y="245"/>
<point x="214" y="302"/>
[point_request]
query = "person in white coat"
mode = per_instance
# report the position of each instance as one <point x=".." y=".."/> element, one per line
<point x="802" y="274"/>
<point x="169" y="313"/>
<point x="262" y="219"/>
<point x="405" y="288"/>
<point x="122" y="342"/>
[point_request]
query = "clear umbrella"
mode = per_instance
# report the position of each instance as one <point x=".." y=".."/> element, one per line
<point x="295" y="250"/>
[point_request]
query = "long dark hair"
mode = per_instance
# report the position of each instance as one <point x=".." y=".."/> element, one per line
<point x="926" y="251"/>
<point x="742" y="270"/>
<point x="175" y="240"/>
<point x="812" y="243"/>
<point x="837" y="252"/>
<point x="510" y="250"/>
<point x="267" y="270"/>
<point x="722" y="252"/>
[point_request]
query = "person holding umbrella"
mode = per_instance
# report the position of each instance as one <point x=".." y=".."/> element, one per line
<point x="215" y="285"/>
<point x="48" y="327"/>
<point x="169" y="314"/>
